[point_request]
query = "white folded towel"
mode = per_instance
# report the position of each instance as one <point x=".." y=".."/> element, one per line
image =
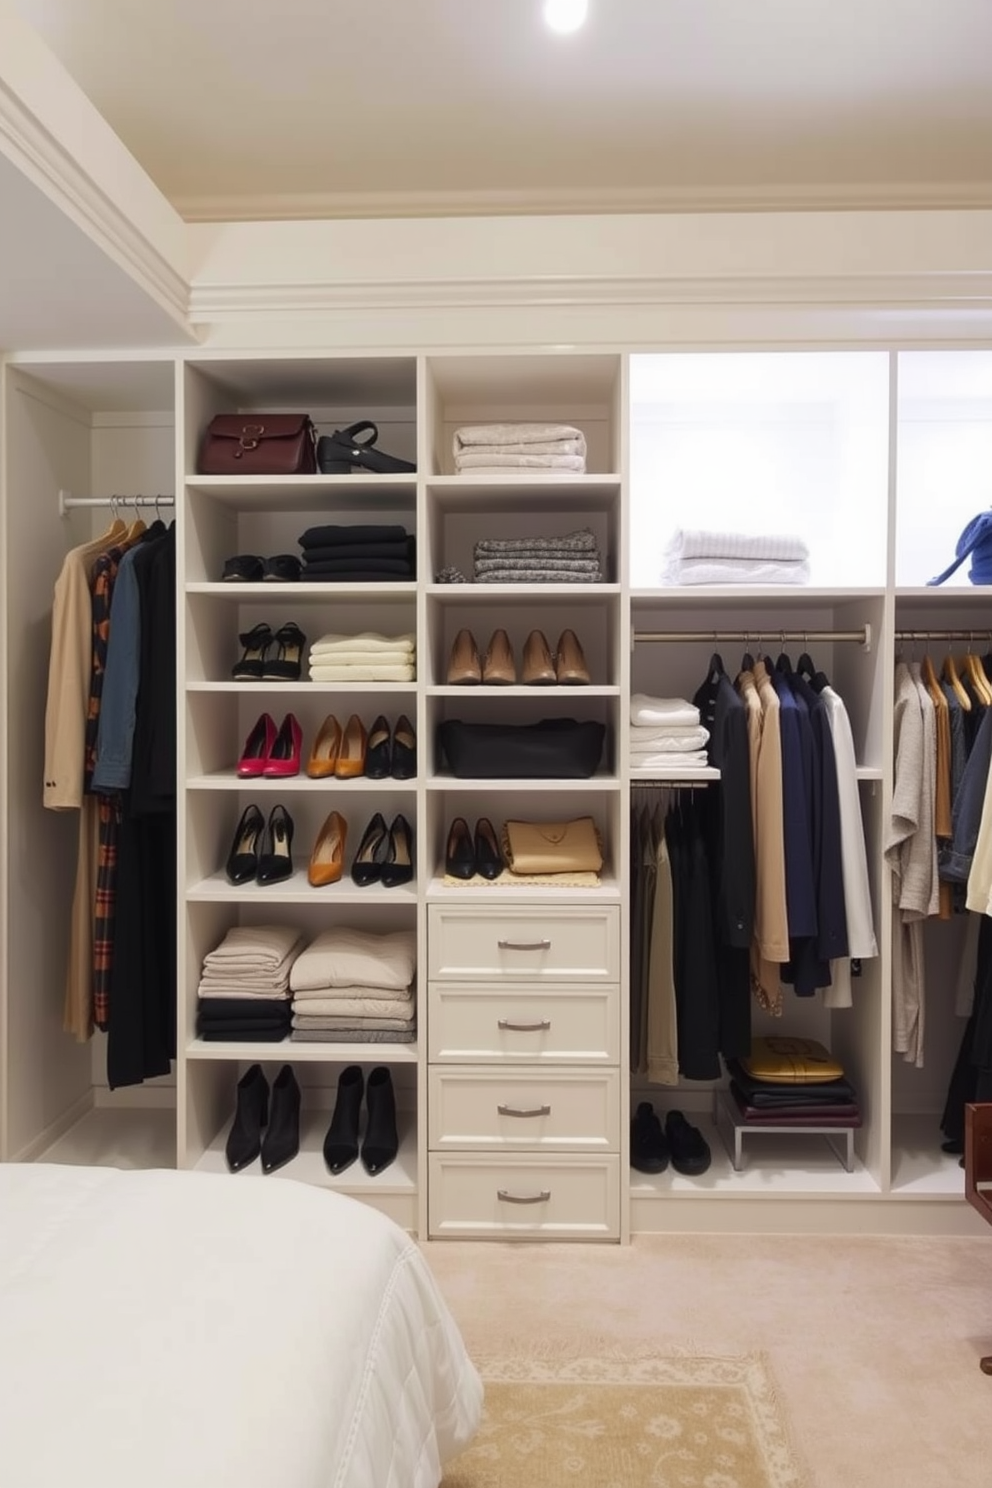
<point x="492" y="435"/>
<point x="687" y="543"/>
<point x="723" y="571"/>
<point x="691" y="745"/>
<point x="344" y="957"/>
<point x="364" y="641"/>
<point x="482" y="460"/>
<point x="662" y="713"/>
<point x="363" y="673"/>
<point x="679" y="739"/>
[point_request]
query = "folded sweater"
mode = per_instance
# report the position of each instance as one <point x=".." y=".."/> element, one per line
<point x="662" y="713"/>
<point x="368" y="1006"/>
<point x="263" y="945"/>
<point x="398" y="996"/>
<point x="321" y="537"/>
<point x="345" y="957"/>
<point x="363" y="640"/>
<point x="724" y="571"/>
<point x="689" y="543"/>
<point x="480" y="461"/>
<point x="492" y="436"/>
<point x="362" y="674"/>
<point x="579" y="543"/>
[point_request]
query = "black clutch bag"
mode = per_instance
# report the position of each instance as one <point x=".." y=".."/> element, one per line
<point x="554" y="749"/>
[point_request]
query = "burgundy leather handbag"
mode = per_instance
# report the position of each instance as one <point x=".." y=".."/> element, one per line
<point x="259" y="444"/>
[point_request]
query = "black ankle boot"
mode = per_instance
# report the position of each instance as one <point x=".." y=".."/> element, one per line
<point x="281" y="1142"/>
<point x="341" y="1142"/>
<point x="381" y="1141"/>
<point x="244" y="1140"/>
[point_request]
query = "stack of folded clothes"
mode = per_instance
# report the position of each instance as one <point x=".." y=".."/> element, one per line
<point x="735" y="558"/>
<point x="665" y="734"/>
<point x="571" y="559"/>
<point x="356" y="987"/>
<point x="358" y="554"/>
<point x="506" y="448"/>
<point x="366" y="657"/>
<point x="792" y="1082"/>
<point x="244" y="987"/>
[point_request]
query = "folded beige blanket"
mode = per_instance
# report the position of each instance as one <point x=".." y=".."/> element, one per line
<point x="400" y="997"/>
<point x="365" y="640"/>
<point x="363" y="674"/>
<point x="345" y="957"/>
<point x="359" y="1007"/>
<point x="482" y="460"/>
<point x="234" y="989"/>
<point x="491" y="435"/>
<point x="262" y="946"/>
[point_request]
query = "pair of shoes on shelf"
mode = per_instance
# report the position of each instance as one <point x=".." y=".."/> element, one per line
<point x="385" y="854"/>
<point x="345" y="450"/>
<point x="352" y="752"/>
<point x="464" y="857"/>
<point x="253" y="1111"/>
<point x="270" y="752"/>
<point x="381" y="1141"/>
<point x="246" y="568"/>
<point x="284" y="664"/>
<point x="566" y="667"/>
<point x="651" y="1146"/>
<point x="260" y="851"/>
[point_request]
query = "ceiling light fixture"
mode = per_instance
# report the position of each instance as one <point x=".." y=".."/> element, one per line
<point x="565" y="15"/>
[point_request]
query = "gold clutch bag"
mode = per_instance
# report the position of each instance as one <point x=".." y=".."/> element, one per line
<point x="791" y="1061"/>
<point x="552" y="847"/>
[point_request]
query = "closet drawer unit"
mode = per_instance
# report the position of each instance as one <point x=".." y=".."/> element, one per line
<point x="531" y="1197"/>
<point x="540" y="944"/>
<point x="525" y="1025"/>
<point x="508" y="1110"/>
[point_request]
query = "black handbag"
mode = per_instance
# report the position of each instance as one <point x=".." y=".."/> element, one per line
<point x="554" y="749"/>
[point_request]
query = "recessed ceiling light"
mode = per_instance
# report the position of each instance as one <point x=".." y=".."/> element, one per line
<point x="565" y="15"/>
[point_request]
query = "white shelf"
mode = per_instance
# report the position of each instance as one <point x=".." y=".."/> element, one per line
<point x="919" y="1168"/>
<point x="309" y="1166"/>
<point x="288" y="1052"/>
<point x="533" y="594"/>
<point x="520" y="689"/>
<point x="226" y="780"/>
<point x="308" y="492"/>
<point x="588" y="783"/>
<point x="306" y="593"/>
<point x="303" y="687"/>
<point x="606" y="891"/>
<point x="296" y="890"/>
<point x="728" y="596"/>
<point x="945" y="594"/>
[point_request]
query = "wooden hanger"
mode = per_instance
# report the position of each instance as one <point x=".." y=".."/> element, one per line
<point x="931" y="683"/>
<point x="976" y="676"/>
<point x="949" y="672"/>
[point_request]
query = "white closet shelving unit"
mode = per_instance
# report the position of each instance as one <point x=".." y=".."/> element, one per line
<point x="878" y="459"/>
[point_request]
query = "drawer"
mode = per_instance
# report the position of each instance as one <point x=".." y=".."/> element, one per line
<point x="535" y="945"/>
<point x="507" y="1110"/>
<point x="564" y="1198"/>
<point x="524" y="1025"/>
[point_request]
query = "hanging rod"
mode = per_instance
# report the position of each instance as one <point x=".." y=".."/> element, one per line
<point x="68" y="502"/>
<point x="944" y="635"/>
<point x="756" y="633"/>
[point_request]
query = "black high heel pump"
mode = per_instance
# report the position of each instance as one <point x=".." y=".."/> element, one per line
<point x="398" y="867"/>
<point x="242" y="860"/>
<point x="287" y="664"/>
<point x="367" y="867"/>
<point x="276" y="862"/>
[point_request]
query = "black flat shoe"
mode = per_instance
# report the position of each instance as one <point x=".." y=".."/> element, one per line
<point x="689" y="1148"/>
<point x="648" y="1147"/>
<point x="398" y="866"/>
<point x="341" y="1142"/>
<point x="377" y="750"/>
<point x="287" y="664"/>
<point x="404" y="761"/>
<point x="488" y="858"/>
<point x="281" y="1142"/>
<point x="243" y="568"/>
<point x="459" y="855"/>
<point x="371" y="855"/>
<point x="341" y="452"/>
<point x="282" y="568"/>
<point x="257" y="643"/>
<point x="381" y="1142"/>
<point x="276" y="862"/>
<point x="242" y="860"/>
<point x="244" y="1140"/>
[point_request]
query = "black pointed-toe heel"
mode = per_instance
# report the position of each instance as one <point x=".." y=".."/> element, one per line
<point x="488" y="858"/>
<point x="398" y="867"/>
<point x="371" y="855"/>
<point x="242" y="860"/>
<point x="244" y="1140"/>
<point x="287" y="664"/>
<point x="341" y="1142"/>
<point x="381" y="1142"/>
<point x="459" y="855"/>
<point x="276" y="862"/>
<point x="404" y="763"/>
<point x="378" y="750"/>
<point x="281" y="1142"/>
<point x="257" y="642"/>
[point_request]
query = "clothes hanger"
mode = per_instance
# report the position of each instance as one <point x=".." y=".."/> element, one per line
<point x="747" y="660"/>
<point x="930" y="681"/>
<point x="976" y="677"/>
<point x="949" y="671"/>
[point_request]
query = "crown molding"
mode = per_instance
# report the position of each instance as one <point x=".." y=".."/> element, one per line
<point x="219" y="303"/>
<point x="582" y="201"/>
<point x="36" y="152"/>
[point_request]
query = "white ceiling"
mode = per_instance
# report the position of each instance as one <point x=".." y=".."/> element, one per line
<point x="365" y="107"/>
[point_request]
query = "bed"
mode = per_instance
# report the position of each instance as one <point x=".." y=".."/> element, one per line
<point x="173" y="1330"/>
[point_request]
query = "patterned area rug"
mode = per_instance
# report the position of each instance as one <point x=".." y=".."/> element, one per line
<point x="628" y="1423"/>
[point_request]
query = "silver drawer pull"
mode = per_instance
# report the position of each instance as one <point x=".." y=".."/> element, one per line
<point x="506" y="1197"/>
<point x="543" y="1027"/>
<point x="524" y="945"/>
<point x="518" y="1111"/>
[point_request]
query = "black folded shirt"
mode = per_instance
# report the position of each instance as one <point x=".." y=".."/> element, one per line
<point x="401" y="567"/>
<point x="358" y="550"/>
<point x="322" y="537"/>
<point x="239" y="1008"/>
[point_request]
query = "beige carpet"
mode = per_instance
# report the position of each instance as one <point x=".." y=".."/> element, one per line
<point x="871" y="1344"/>
<point x="616" y="1422"/>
